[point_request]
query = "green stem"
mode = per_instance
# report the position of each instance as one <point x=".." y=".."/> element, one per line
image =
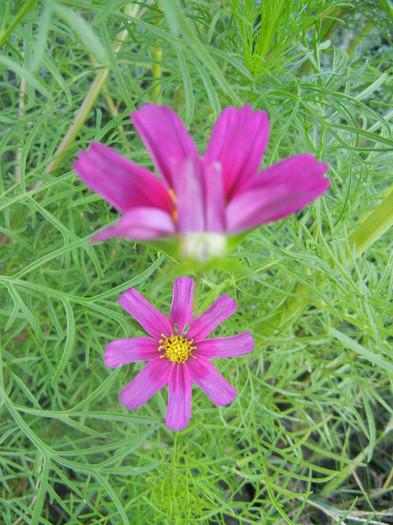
<point x="79" y="119"/>
<point x="369" y="231"/>
<point x="89" y="100"/>
<point x="197" y="293"/>
<point x="334" y="483"/>
<point x="28" y="5"/>
<point x="157" y="72"/>
<point x="178" y="23"/>
<point x="374" y="226"/>
<point x="360" y="35"/>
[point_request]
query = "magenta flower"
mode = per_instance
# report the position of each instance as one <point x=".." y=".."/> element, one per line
<point x="177" y="351"/>
<point x="201" y="200"/>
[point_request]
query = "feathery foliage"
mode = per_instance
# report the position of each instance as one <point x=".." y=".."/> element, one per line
<point x="308" y="439"/>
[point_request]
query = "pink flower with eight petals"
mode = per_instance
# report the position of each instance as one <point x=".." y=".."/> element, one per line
<point x="177" y="351"/>
<point x="201" y="200"/>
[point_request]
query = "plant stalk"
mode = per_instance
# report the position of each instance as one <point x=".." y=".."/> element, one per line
<point x="368" y="231"/>
<point x="89" y="100"/>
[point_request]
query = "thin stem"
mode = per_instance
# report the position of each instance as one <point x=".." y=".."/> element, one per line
<point x="90" y="98"/>
<point x="334" y="483"/>
<point x="197" y="292"/>
<point x="79" y="119"/>
<point x="157" y="72"/>
<point x="178" y="23"/>
<point x="114" y="114"/>
<point x="369" y="231"/>
<point x="26" y="7"/>
<point x="374" y="226"/>
<point x="21" y="105"/>
<point x="360" y="35"/>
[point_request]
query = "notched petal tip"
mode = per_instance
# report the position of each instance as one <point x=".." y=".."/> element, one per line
<point x="165" y="136"/>
<point x="220" y="310"/>
<point x="278" y="191"/>
<point x="208" y="378"/>
<point x="238" y="143"/>
<point x="141" y="223"/>
<point x="110" y="359"/>
<point x="179" y="398"/>
<point x="120" y="181"/>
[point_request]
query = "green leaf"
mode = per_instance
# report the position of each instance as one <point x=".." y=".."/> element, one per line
<point x="31" y="80"/>
<point x="374" y="358"/>
<point x="69" y="342"/>
<point x="84" y="31"/>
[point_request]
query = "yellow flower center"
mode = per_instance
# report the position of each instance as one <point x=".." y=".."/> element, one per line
<point x="177" y="348"/>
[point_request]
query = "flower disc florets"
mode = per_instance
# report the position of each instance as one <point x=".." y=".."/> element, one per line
<point x="169" y="356"/>
<point x="177" y="348"/>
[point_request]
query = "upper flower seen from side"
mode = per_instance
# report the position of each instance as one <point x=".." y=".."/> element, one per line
<point x="204" y="199"/>
<point x="177" y="351"/>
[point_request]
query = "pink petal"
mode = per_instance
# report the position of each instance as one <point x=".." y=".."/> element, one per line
<point x="124" y="351"/>
<point x="214" y="198"/>
<point x="209" y="379"/>
<point x="181" y="309"/>
<point x="231" y="346"/>
<point x="122" y="183"/>
<point x="190" y="195"/>
<point x="152" y="320"/>
<point x="150" y="379"/>
<point x="165" y="137"/>
<point x="140" y="223"/>
<point x="220" y="310"/>
<point x="293" y="170"/>
<point x="200" y="199"/>
<point x="278" y="191"/>
<point x="179" y="398"/>
<point x="238" y="142"/>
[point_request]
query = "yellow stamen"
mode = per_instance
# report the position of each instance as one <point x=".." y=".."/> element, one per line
<point x="174" y="211"/>
<point x="177" y="348"/>
<point x="172" y="194"/>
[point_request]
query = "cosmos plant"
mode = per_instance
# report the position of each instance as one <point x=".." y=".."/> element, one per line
<point x="177" y="352"/>
<point x="199" y="201"/>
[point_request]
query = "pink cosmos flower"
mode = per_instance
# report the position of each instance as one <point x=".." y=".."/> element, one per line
<point x="177" y="351"/>
<point x="201" y="200"/>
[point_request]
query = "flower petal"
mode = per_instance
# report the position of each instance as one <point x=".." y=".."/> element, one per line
<point x="165" y="137"/>
<point x="209" y="379"/>
<point x="181" y="309"/>
<point x="150" y="379"/>
<point x="231" y="346"/>
<point x="179" y="398"/>
<point x="238" y="142"/>
<point x="200" y="199"/>
<point x="130" y="350"/>
<point x="122" y="183"/>
<point x="140" y="223"/>
<point x="190" y="195"/>
<point x="214" y="198"/>
<point x="220" y="310"/>
<point x="278" y="191"/>
<point x="153" y="321"/>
